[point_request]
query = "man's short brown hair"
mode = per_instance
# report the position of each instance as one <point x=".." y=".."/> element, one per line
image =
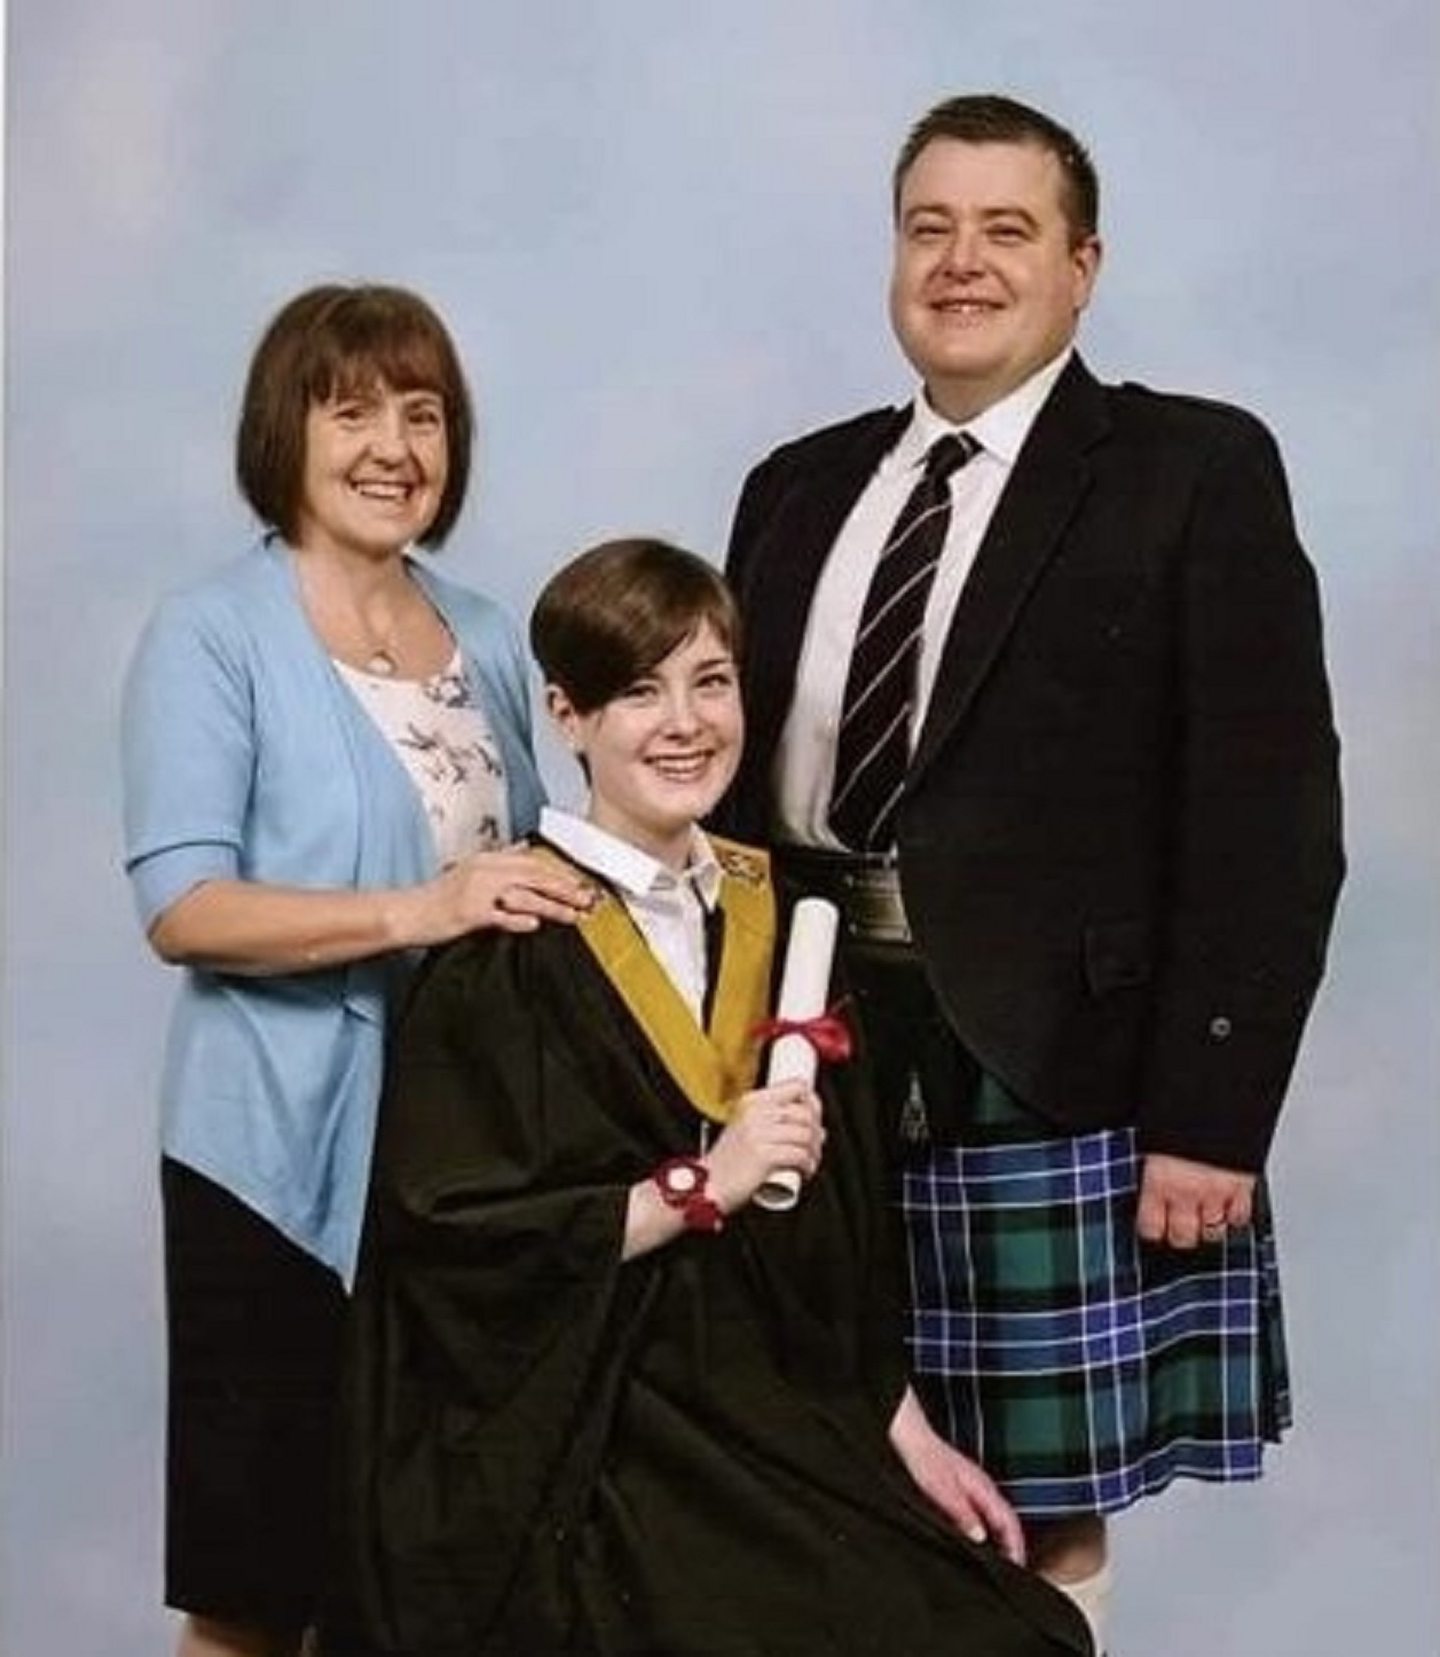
<point x="614" y="613"/>
<point x="989" y="118"/>
<point x="334" y="340"/>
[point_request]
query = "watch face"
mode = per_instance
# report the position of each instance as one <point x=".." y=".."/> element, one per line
<point x="682" y="1183"/>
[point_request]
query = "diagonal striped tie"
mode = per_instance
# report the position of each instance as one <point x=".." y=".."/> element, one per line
<point x="875" y="715"/>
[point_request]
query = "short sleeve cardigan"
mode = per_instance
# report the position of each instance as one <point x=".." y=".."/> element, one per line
<point x="246" y="757"/>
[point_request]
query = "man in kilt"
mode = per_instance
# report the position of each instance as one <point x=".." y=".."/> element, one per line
<point x="1036" y="693"/>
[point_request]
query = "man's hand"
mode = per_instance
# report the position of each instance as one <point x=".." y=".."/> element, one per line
<point x="1185" y="1203"/>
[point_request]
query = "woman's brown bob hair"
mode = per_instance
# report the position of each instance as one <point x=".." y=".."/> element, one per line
<point x="338" y="340"/>
<point x="613" y="614"/>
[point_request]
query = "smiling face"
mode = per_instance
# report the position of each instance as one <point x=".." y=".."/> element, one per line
<point x="988" y="284"/>
<point x="375" y="467"/>
<point x="661" y="752"/>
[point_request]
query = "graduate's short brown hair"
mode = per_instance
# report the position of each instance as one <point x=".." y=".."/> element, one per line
<point x="614" y="613"/>
<point x="336" y="340"/>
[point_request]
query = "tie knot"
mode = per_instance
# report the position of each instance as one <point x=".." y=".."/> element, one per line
<point x="948" y="454"/>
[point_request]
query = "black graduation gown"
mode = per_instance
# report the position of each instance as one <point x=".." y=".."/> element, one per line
<point x="550" y="1451"/>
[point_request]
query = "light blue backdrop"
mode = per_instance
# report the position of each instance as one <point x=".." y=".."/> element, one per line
<point x="660" y="235"/>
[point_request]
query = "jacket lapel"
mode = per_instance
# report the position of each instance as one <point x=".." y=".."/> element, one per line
<point x="1050" y="478"/>
<point x="782" y="569"/>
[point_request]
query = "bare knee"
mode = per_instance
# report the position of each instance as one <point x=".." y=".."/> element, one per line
<point x="209" y="1637"/>
<point x="1066" y="1550"/>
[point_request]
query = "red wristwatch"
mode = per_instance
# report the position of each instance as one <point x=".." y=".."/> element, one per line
<point x="681" y="1182"/>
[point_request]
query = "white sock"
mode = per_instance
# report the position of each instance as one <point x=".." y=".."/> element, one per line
<point x="1091" y="1596"/>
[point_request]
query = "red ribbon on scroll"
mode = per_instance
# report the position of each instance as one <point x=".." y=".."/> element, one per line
<point x="827" y="1033"/>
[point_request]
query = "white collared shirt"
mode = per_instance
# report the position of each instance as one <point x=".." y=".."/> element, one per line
<point x="805" y="758"/>
<point x="668" y="908"/>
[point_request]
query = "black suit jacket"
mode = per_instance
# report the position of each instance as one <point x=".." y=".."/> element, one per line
<point x="1120" y="836"/>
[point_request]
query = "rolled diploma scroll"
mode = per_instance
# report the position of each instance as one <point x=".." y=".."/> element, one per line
<point x="804" y="992"/>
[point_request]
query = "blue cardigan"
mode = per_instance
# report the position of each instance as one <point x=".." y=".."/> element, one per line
<point x="245" y="757"/>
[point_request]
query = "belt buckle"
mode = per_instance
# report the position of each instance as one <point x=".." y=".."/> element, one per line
<point x="874" y="910"/>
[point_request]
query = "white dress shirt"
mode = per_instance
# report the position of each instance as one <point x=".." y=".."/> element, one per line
<point x="805" y="757"/>
<point x="668" y="908"/>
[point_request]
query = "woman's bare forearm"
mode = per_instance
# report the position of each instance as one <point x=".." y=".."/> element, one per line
<point x="250" y="927"/>
<point x="241" y="926"/>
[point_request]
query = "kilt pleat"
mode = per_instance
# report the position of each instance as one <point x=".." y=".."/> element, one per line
<point x="1082" y="1367"/>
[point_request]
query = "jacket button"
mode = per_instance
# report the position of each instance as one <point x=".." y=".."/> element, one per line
<point x="1220" y="1028"/>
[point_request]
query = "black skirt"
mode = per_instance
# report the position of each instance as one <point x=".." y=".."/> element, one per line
<point x="254" y="1331"/>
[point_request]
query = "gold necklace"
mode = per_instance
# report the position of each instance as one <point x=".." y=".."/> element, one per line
<point x="383" y="649"/>
<point x="379" y="653"/>
<point x="382" y="662"/>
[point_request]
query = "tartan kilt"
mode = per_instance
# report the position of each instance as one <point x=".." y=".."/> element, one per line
<point x="1083" y="1368"/>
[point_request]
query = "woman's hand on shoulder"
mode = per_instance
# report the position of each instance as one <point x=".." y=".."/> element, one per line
<point x="514" y="890"/>
<point x="251" y="928"/>
<point x="772" y="1127"/>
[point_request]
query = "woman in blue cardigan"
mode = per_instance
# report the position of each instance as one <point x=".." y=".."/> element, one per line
<point x="327" y="753"/>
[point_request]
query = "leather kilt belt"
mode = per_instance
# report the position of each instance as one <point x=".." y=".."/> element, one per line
<point x="864" y="887"/>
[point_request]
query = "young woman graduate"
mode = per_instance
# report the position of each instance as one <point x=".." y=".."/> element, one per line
<point x="600" y="1404"/>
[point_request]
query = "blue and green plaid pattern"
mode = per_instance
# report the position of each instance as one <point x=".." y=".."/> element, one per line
<point x="1083" y="1368"/>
